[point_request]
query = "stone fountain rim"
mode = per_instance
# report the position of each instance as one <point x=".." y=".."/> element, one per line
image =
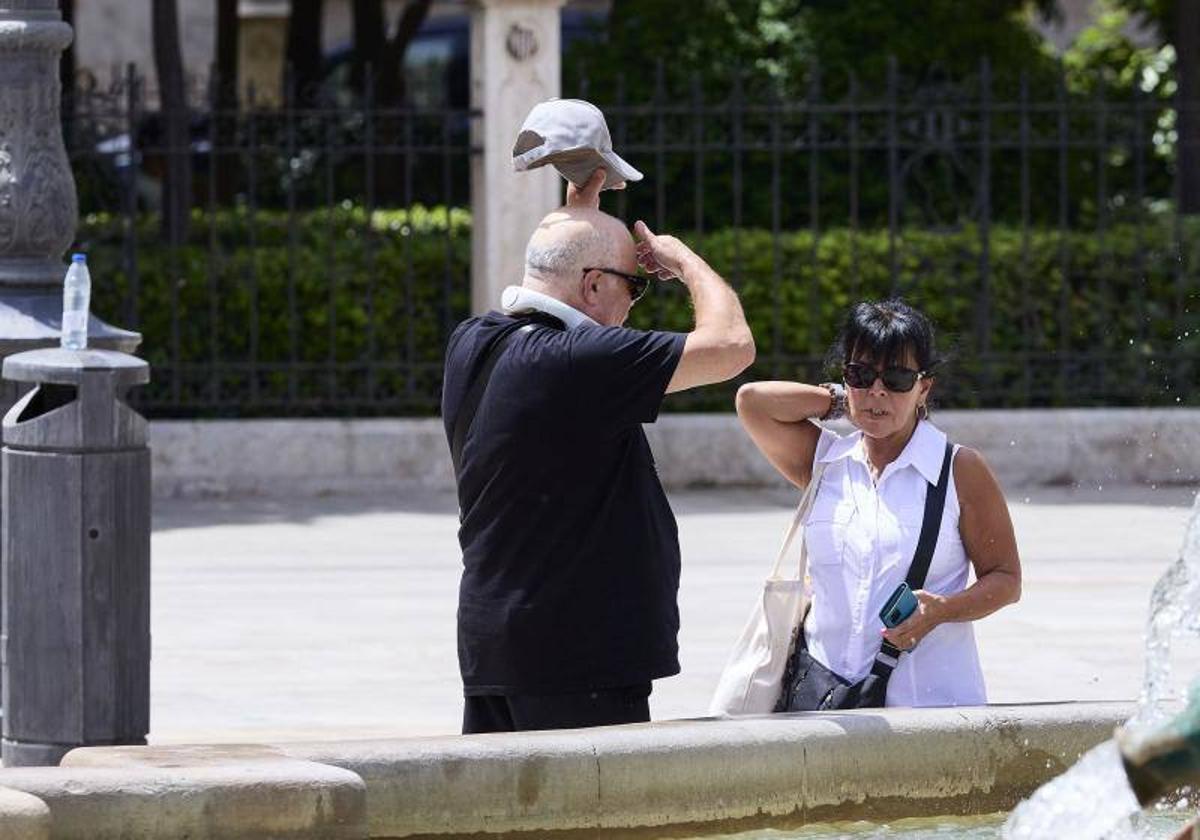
<point x="644" y="780"/>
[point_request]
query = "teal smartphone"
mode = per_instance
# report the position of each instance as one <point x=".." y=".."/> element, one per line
<point x="900" y="605"/>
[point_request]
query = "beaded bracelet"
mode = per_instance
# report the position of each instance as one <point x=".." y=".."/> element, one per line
<point x="837" y="401"/>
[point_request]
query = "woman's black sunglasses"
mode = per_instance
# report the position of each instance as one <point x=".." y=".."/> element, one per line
<point x="898" y="379"/>
<point x="637" y="283"/>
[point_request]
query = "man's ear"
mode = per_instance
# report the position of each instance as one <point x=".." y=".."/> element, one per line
<point x="591" y="286"/>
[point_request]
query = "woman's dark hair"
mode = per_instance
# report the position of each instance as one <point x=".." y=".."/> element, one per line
<point x="884" y="332"/>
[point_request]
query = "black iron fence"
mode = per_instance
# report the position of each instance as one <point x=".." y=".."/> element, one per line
<point x="1038" y="227"/>
<point x="326" y="257"/>
<point x="328" y="254"/>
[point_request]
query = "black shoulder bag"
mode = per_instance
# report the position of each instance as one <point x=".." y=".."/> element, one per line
<point x="809" y="686"/>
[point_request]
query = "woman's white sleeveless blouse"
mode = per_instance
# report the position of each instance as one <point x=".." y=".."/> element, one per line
<point x="861" y="537"/>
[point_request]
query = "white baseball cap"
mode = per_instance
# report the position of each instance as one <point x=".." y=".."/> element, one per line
<point x="572" y="135"/>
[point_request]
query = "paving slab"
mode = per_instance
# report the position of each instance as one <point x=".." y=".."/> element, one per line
<point x="308" y="619"/>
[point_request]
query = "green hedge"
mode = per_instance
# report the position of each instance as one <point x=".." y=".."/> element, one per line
<point x="1124" y="333"/>
<point x="373" y="305"/>
<point x="1127" y="334"/>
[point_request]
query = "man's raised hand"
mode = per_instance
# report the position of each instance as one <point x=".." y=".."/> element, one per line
<point x="663" y="256"/>
<point x="589" y="194"/>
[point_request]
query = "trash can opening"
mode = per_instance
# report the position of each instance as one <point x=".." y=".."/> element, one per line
<point x="46" y="398"/>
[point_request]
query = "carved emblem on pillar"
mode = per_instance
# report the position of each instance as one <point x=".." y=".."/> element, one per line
<point x="522" y="42"/>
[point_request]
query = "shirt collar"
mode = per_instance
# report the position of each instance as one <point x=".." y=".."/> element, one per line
<point x="517" y="300"/>
<point x="844" y="447"/>
<point x="924" y="451"/>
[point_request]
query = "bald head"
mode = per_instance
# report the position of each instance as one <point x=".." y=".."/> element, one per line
<point x="571" y="239"/>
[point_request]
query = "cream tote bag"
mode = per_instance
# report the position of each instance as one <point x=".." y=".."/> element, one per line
<point x="751" y="681"/>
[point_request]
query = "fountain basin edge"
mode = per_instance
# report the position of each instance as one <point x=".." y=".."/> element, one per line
<point x="645" y="780"/>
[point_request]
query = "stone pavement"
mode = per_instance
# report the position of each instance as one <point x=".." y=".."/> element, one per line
<point x="323" y="618"/>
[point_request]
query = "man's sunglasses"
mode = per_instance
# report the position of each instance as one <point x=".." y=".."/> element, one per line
<point x="636" y="282"/>
<point x="898" y="379"/>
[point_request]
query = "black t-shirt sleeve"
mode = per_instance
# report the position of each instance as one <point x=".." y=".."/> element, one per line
<point x="620" y="375"/>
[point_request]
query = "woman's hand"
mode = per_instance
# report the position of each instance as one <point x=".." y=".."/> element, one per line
<point x="928" y="614"/>
<point x="987" y="535"/>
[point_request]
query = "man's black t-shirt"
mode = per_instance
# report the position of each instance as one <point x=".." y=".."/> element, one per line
<point x="570" y="549"/>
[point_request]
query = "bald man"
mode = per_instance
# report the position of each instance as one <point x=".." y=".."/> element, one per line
<point x="567" y="605"/>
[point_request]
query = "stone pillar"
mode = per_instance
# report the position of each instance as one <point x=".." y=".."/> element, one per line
<point x="39" y="210"/>
<point x="262" y="44"/>
<point x="515" y="63"/>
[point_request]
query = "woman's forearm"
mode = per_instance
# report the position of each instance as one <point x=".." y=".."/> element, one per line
<point x="783" y="402"/>
<point x="996" y="589"/>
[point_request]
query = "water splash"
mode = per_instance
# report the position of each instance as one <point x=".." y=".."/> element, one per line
<point x="1087" y="801"/>
<point x="1093" y="799"/>
<point x="1174" y="612"/>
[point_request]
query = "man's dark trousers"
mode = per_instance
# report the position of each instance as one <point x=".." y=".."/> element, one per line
<point x="517" y="712"/>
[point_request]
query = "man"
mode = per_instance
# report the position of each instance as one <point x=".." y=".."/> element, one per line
<point x="567" y="606"/>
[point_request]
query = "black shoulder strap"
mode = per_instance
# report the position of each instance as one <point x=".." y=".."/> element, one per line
<point x="470" y="403"/>
<point x="935" y="505"/>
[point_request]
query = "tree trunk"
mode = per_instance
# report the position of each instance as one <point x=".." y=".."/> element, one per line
<point x="168" y="63"/>
<point x="304" y="50"/>
<point x="225" y="98"/>
<point x="392" y="90"/>
<point x="391" y="94"/>
<point x="226" y="59"/>
<point x="1187" y="68"/>
<point x="370" y="40"/>
<point x="383" y="57"/>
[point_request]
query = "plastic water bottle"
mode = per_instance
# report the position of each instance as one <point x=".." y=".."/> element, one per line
<point x="77" y="297"/>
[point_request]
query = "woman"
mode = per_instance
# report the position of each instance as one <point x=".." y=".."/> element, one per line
<point x="862" y="531"/>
